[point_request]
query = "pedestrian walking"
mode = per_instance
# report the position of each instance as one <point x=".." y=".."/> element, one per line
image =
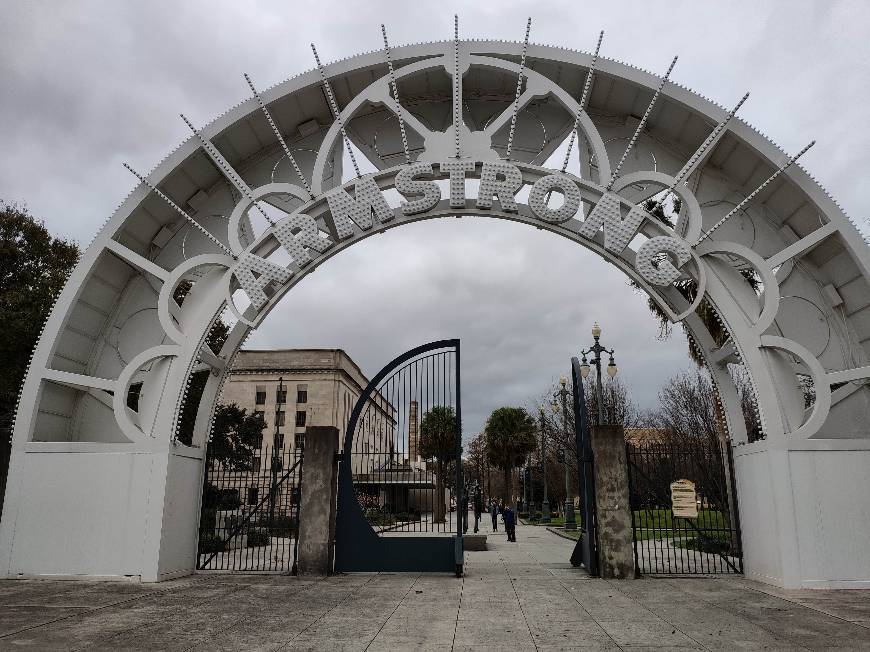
<point x="510" y="525"/>
<point x="493" y="512"/>
<point x="478" y="507"/>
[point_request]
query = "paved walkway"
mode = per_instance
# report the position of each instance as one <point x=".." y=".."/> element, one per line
<point x="521" y="596"/>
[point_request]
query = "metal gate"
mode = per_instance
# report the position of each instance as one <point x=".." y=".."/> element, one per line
<point x="708" y="543"/>
<point x="586" y="550"/>
<point x="400" y="493"/>
<point x="250" y="511"/>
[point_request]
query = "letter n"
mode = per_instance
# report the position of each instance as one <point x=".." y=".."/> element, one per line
<point x="618" y="232"/>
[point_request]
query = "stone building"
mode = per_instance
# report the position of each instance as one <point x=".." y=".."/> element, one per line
<point x="296" y="388"/>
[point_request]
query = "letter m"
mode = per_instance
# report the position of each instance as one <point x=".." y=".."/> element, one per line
<point x="367" y="199"/>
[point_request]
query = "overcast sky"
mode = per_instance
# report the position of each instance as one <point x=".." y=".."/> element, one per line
<point x="87" y="85"/>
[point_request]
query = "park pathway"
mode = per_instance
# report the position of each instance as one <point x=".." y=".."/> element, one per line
<point x="514" y="596"/>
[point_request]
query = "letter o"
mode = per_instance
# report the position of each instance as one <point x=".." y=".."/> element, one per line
<point x="538" y="198"/>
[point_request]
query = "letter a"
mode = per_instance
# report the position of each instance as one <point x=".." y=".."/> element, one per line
<point x="255" y="274"/>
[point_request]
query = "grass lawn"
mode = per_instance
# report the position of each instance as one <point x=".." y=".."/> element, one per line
<point x="660" y="524"/>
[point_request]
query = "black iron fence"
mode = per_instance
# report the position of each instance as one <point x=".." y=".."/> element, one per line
<point x="250" y="511"/>
<point x="678" y="537"/>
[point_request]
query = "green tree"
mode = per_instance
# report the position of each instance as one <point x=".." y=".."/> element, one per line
<point x="510" y="436"/>
<point x="235" y="435"/>
<point x="438" y="432"/>
<point x="34" y="266"/>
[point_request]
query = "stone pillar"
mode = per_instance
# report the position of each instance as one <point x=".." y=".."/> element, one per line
<point x="615" y="546"/>
<point x="317" y="509"/>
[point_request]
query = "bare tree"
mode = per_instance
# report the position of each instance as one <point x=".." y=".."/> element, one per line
<point x="619" y="409"/>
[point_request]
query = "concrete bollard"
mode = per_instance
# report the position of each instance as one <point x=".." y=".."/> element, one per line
<point x="615" y="544"/>
<point x="317" y="509"/>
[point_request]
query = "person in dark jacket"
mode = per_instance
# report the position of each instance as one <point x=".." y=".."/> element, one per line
<point x="478" y="507"/>
<point x="493" y="512"/>
<point x="510" y="525"/>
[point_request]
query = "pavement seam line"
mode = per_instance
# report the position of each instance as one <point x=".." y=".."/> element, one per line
<point x="458" y="611"/>
<point x="197" y="604"/>
<point x="519" y="603"/>
<point x="327" y="612"/>
<point x="384" y="624"/>
<point x="760" y="626"/>
<point x="89" y="610"/>
<point x="240" y="620"/>
<point x="591" y="617"/>
<point x="810" y="607"/>
<point x="662" y="618"/>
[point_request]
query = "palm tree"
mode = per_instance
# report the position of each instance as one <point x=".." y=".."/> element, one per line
<point x="438" y="433"/>
<point x="510" y="437"/>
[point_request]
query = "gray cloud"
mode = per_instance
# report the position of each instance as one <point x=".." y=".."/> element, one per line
<point x="87" y="85"/>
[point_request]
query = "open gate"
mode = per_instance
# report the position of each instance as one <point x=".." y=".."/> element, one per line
<point x="586" y="550"/>
<point x="400" y="491"/>
<point x="250" y="511"/>
<point x="682" y="516"/>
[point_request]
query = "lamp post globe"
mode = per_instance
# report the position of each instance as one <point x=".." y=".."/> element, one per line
<point x="596" y="350"/>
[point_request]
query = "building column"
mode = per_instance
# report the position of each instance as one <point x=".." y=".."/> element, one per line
<point x="318" y="501"/>
<point x="613" y="510"/>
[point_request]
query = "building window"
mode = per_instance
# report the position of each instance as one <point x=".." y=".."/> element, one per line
<point x="261" y="396"/>
<point x="253" y="495"/>
<point x="256" y="462"/>
<point x="299" y="440"/>
<point x="259" y="414"/>
<point x="259" y="443"/>
<point x="302" y="396"/>
<point x="279" y="418"/>
<point x="279" y="439"/>
<point x="281" y="396"/>
<point x="300" y="418"/>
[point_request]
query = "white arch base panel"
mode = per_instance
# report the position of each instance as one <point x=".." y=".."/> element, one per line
<point x="96" y="490"/>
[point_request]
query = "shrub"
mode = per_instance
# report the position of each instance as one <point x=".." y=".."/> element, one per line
<point x="283" y="526"/>
<point x="258" y="537"/>
<point x="229" y="499"/>
<point x="207" y="520"/>
<point x="211" y="496"/>
<point x="209" y="543"/>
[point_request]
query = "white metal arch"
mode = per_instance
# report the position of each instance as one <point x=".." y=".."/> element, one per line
<point x="73" y="401"/>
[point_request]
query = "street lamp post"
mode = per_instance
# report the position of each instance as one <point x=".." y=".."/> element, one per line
<point x="545" y="505"/>
<point x="531" y="481"/>
<point x="597" y="350"/>
<point x="570" y="519"/>
<point x="526" y="486"/>
<point x="275" y="465"/>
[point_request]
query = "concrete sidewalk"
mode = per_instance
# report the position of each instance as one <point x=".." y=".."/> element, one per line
<point x="519" y="596"/>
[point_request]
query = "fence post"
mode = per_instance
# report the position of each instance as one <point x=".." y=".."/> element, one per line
<point x="317" y="506"/>
<point x="615" y="545"/>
